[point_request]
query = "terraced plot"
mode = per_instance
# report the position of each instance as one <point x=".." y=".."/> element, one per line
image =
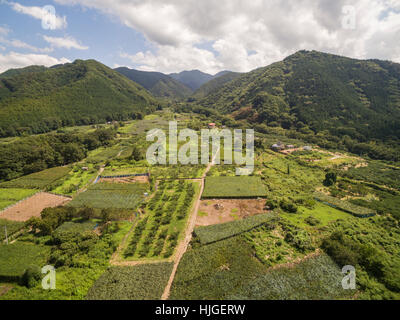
<point x="39" y="180"/>
<point x="233" y="187"/>
<point x="111" y="195"/>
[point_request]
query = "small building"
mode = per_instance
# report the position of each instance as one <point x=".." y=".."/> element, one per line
<point x="212" y="126"/>
<point x="307" y="148"/>
<point x="278" y="146"/>
<point x="85" y="168"/>
<point x="290" y="146"/>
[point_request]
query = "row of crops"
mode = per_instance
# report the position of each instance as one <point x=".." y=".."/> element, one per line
<point x="143" y="282"/>
<point x="218" y="232"/>
<point x="234" y="187"/>
<point x="38" y="180"/>
<point x="157" y="234"/>
<point x="11" y="227"/>
<point x="361" y="212"/>
<point x="111" y="196"/>
<point x="17" y="257"/>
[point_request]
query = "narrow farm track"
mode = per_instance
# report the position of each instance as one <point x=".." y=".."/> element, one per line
<point x="188" y="236"/>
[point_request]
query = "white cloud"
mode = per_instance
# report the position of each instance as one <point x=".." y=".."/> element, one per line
<point x="66" y="42"/>
<point x="248" y="34"/>
<point x="54" y="21"/>
<point x="19" y="60"/>
<point x="4" y="31"/>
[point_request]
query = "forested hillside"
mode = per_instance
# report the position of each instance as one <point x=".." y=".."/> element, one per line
<point x="215" y="84"/>
<point x="37" y="100"/>
<point x="339" y="100"/>
<point x="159" y="84"/>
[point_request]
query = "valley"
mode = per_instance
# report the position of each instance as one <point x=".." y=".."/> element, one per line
<point x="324" y="192"/>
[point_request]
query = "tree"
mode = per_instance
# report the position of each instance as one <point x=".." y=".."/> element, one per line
<point x="136" y="154"/>
<point x="330" y="179"/>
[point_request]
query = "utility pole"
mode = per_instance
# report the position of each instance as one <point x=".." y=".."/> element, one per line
<point x="5" y="230"/>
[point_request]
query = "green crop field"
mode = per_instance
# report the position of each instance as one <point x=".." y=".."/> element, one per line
<point x="317" y="278"/>
<point x="143" y="282"/>
<point x="234" y="187"/>
<point x="76" y="227"/>
<point x="158" y="233"/>
<point x="12" y="227"/>
<point x="214" y="233"/>
<point x="39" y="180"/>
<point x="345" y="206"/>
<point x="15" y="258"/>
<point x="9" y="196"/>
<point x="111" y="195"/>
<point x="75" y="181"/>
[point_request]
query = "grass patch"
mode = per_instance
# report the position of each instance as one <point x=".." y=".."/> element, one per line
<point x="233" y="187"/>
<point x="214" y="233"/>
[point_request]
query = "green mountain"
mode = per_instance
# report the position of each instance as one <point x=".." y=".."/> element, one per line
<point x="37" y="100"/>
<point x="14" y="72"/>
<point x="215" y="84"/>
<point x="193" y="79"/>
<point x="320" y="94"/>
<point x="159" y="84"/>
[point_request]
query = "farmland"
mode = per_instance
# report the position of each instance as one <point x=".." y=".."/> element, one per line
<point x="219" y="232"/>
<point x="33" y="206"/>
<point x="159" y="232"/>
<point x="9" y="196"/>
<point x="15" y="258"/>
<point x="255" y="237"/>
<point x="143" y="282"/>
<point x="12" y="227"/>
<point x="111" y="195"/>
<point x="233" y="187"/>
<point x="39" y="180"/>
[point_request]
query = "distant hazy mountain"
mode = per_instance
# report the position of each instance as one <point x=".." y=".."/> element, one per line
<point x="195" y="79"/>
<point x="159" y="84"/>
<point x="219" y="80"/>
<point x="38" y="99"/>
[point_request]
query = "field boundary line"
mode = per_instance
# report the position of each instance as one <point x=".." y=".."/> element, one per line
<point x="182" y="247"/>
<point x="13" y="205"/>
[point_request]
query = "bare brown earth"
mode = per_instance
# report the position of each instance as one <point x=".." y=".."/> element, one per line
<point x="33" y="206"/>
<point x="220" y="211"/>
<point x="140" y="179"/>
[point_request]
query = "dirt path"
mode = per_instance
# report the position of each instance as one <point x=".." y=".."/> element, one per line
<point x="188" y="236"/>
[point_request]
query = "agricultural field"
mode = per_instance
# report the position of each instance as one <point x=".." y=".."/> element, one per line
<point x="315" y="278"/>
<point x="177" y="172"/>
<point x="10" y="196"/>
<point x="357" y="211"/>
<point x="103" y="154"/>
<point x="227" y="210"/>
<point x="75" y="181"/>
<point x="161" y="228"/>
<point x="12" y="227"/>
<point x="111" y="195"/>
<point x="218" y="232"/>
<point x="233" y="187"/>
<point x="40" y="180"/>
<point x="33" y="206"/>
<point x="16" y="257"/>
<point x="142" y="282"/>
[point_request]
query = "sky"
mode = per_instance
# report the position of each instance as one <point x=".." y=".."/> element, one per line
<point x="208" y="35"/>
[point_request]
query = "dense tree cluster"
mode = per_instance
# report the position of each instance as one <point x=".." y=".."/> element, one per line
<point x="36" y="153"/>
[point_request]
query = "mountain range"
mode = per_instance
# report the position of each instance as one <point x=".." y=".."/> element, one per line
<point x="171" y="86"/>
<point x="314" y="93"/>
